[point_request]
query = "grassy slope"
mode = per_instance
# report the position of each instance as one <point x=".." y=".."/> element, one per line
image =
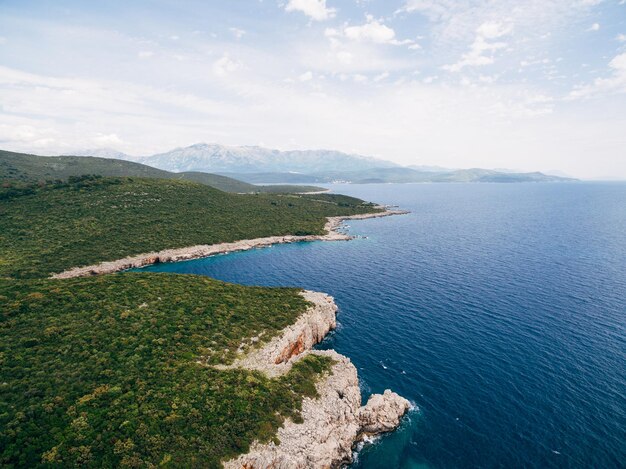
<point x="103" y="371"/>
<point x="29" y="168"/>
<point x="62" y="226"/>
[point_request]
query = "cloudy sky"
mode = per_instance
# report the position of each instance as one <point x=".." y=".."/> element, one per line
<point x="519" y="84"/>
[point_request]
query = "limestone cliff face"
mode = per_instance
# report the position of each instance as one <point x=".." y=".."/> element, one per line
<point x="277" y="356"/>
<point x="332" y="423"/>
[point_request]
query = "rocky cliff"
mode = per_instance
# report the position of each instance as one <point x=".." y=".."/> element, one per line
<point x="277" y="356"/>
<point x="332" y="423"/>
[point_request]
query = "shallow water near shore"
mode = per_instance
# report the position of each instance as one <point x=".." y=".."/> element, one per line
<point x="498" y="309"/>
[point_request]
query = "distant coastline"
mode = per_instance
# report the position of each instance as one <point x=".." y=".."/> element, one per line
<point x="206" y="250"/>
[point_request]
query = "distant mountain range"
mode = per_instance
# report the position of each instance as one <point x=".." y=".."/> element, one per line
<point x="32" y="168"/>
<point x="255" y="164"/>
<point x="247" y="159"/>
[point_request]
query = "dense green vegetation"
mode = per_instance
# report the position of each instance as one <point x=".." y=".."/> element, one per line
<point x="118" y="370"/>
<point x="49" y="229"/>
<point x="33" y="168"/>
<point x="104" y="371"/>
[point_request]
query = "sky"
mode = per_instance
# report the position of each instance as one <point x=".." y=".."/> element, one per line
<point x="515" y="84"/>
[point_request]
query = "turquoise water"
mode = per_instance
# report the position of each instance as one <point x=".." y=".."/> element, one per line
<point x="499" y="310"/>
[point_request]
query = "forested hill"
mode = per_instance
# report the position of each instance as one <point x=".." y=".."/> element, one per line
<point x="90" y="219"/>
<point x="32" y="168"/>
<point x="104" y="371"/>
<point x="117" y="370"/>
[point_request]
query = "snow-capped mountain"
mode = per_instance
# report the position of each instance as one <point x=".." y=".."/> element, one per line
<point x="214" y="158"/>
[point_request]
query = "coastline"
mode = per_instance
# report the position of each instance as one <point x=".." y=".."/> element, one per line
<point x="206" y="250"/>
<point x="334" y="422"/>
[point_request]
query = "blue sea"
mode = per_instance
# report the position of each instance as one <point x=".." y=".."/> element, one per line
<point x="499" y="310"/>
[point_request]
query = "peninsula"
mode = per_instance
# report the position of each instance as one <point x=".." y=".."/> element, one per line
<point x="143" y="368"/>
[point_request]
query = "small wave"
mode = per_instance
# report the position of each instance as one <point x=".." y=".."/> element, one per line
<point x="367" y="440"/>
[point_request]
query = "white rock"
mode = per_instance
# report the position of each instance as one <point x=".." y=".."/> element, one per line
<point x="332" y="424"/>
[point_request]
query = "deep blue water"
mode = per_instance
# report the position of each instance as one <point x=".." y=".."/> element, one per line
<point x="498" y="309"/>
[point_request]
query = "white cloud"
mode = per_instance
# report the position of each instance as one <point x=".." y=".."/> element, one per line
<point x="306" y="76"/>
<point x="106" y="140"/>
<point x="493" y="30"/>
<point x="381" y="76"/>
<point x="145" y="54"/>
<point x="62" y="114"/>
<point x="343" y="55"/>
<point x="3" y="40"/>
<point x="594" y="27"/>
<point x="510" y="125"/>
<point x="225" y="65"/>
<point x="238" y="33"/>
<point x="315" y="9"/>
<point x="620" y="38"/>
<point x="614" y="83"/>
<point x="373" y="30"/>
<point x="481" y="51"/>
<point x="24" y="134"/>
<point x="454" y="20"/>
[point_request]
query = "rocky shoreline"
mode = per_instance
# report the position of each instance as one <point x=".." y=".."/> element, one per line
<point x="334" y="422"/>
<point x="206" y="250"/>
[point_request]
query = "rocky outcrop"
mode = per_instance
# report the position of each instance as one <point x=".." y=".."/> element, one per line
<point x="332" y="423"/>
<point x="382" y="413"/>
<point x="206" y="250"/>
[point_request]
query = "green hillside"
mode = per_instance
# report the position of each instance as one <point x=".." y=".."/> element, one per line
<point x="104" y="372"/>
<point x="52" y="228"/>
<point x="30" y="168"/>
<point x="117" y="370"/>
